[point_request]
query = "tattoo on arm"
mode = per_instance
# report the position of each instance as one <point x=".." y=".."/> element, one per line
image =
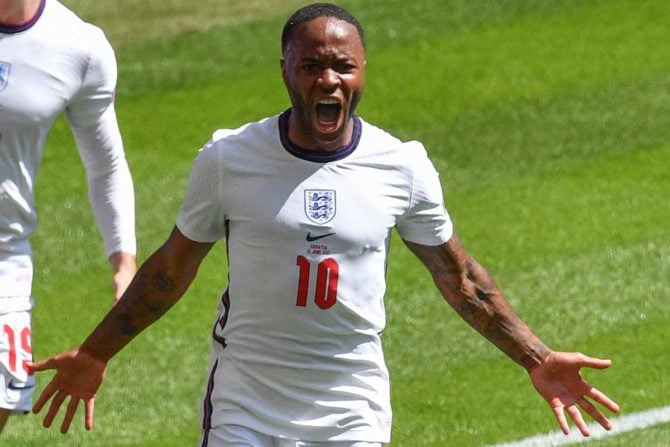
<point x="126" y="325"/>
<point x="157" y="303"/>
<point x="475" y="296"/>
<point x="145" y="309"/>
<point x="158" y="284"/>
<point x="163" y="282"/>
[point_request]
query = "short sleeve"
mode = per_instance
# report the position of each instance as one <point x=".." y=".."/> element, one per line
<point x="202" y="218"/>
<point x="426" y="220"/>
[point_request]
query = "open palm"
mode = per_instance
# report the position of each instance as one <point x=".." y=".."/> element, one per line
<point x="559" y="380"/>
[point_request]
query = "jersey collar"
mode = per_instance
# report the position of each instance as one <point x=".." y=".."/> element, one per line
<point x="314" y="155"/>
<point x="13" y="29"/>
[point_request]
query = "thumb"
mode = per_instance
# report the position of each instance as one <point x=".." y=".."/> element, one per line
<point x="40" y="366"/>
<point x="593" y="362"/>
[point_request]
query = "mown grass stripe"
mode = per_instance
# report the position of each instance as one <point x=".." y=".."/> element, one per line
<point x="622" y="424"/>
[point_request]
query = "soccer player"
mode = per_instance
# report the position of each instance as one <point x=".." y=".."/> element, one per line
<point x="306" y="202"/>
<point x="53" y="62"/>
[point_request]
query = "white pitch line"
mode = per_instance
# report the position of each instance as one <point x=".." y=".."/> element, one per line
<point x="622" y="424"/>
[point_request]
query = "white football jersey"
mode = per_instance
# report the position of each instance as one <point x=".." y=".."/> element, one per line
<point x="308" y="239"/>
<point x="57" y="63"/>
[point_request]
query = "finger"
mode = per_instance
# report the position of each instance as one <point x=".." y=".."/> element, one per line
<point x="593" y="362"/>
<point x="88" y="417"/>
<point x="595" y="413"/>
<point x="44" y="397"/>
<point x="576" y="416"/>
<point x="602" y="399"/>
<point x="562" y="421"/>
<point x="69" y="414"/>
<point x="53" y="409"/>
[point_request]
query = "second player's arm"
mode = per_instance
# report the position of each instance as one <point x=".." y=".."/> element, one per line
<point x="124" y="267"/>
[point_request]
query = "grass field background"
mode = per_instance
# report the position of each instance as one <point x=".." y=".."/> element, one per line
<point x="549" y="122"/>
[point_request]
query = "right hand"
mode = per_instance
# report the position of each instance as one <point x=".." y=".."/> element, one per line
<point x="78" y="376"/>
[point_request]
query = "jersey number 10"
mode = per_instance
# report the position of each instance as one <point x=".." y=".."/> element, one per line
<point x="325" y="294"/>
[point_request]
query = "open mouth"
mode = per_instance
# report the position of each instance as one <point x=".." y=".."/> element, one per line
<point x="328" y="112"/>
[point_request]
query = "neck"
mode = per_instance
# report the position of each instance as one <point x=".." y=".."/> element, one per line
<point x="17" y="12"/>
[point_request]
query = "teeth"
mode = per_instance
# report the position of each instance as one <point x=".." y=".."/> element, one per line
<point x="329" y="101"/>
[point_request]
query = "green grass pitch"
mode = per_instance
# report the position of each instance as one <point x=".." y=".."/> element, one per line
<point x="549" y="122"/>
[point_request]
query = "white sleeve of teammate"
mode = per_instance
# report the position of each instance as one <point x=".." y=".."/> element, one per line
<point x="93" y="120"/>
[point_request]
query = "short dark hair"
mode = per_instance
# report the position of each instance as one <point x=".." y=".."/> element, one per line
<point x="313" y="11"/>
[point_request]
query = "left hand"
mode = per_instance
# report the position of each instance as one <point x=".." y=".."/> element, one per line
<point x="559" y="381"/>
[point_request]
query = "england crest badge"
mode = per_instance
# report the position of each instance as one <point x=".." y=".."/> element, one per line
<point x="320" y="205"/>
<point x="4" y="74"/>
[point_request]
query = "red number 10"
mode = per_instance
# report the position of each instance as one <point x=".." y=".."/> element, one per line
<point x="327" y="274"/>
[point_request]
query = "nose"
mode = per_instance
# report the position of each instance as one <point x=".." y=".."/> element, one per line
<point x="329" y="78"/>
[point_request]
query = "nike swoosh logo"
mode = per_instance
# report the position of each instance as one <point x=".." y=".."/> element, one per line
<point x="14" y="386"/>
<point x="311" y="238"/>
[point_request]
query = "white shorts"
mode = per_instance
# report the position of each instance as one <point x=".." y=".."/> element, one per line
<point x="237" y="436"/>
<point x="16" y="385"/>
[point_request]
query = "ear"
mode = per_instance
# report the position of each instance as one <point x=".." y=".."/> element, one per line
<point x="282" y="64"/>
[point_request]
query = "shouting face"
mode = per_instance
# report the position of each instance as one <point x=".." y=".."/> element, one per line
<point x="324" y="71"/>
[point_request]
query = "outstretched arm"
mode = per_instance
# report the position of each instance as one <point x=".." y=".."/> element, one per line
<point x="472" y="292"/>
<point x="158" y="284"/>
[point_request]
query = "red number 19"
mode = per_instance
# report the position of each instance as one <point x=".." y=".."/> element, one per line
<point x="26" y="345"/>
<point x="327" y="274"/>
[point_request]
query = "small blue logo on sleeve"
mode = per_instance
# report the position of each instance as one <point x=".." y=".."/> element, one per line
<point x="5" y="68"/>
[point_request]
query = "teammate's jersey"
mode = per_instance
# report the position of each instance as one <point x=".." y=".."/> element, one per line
<point x="308" y="238"/>
<point x="51" y="64"/>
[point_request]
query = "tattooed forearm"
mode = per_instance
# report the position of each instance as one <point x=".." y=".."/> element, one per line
<point x="156" y="294"/>
<point x="126" y="325"/>
<point x="158" y="284"/>
<point x="490" y="313"/>
<point x="512" y="336"/>
<point x="163" y="282"/>
<point x="147" y="305"/>
<point x="471" y="291"/>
